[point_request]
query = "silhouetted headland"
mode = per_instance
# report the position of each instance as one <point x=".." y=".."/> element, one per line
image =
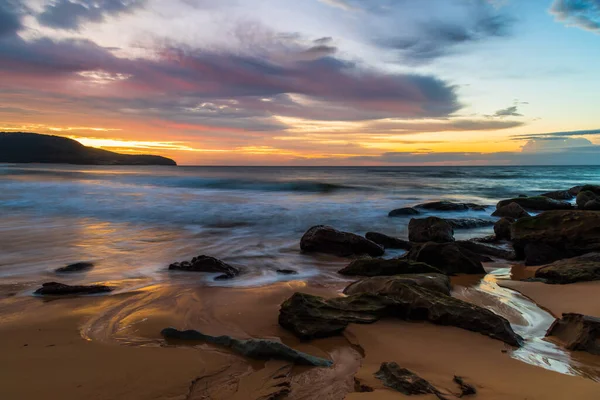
<point x="21" y="147"/>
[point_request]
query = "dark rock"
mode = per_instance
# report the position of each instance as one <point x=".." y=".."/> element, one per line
<point x="450" y="258"/>
<point x="575" y="190"/>
<point x="432" y="229"/>
<point x="539" y="203"/>
<point x="388" y="284"/>
<point x="476" y="207"/>
<point x="388" y="242"/>
<point x="325" y="239"/>
<point x="287" y="272"/>
<point x="486" y="250"/>
<point x="401" y="212"/>
<point x="502" y="228"/>
<point x="592" y="205"/>
<point x="469" y="223"/>
<point x="465" y="388"/>
<point x="450" y="206"/>
<point x="381" y="267"/>
<point x="309" y="316"/>
<point x="77" y="267"/>
<point x="511" y="210"/>
<point x="591" y="188"/>
<point x="253" y="348"/>
<point x="540" y="254"/>
<point x="584" y="197"/>
<point x="60" y="289"/>
<point x="559" y="195"/>
<point x="522" y="195"/>
<point x="206" y="264"/>
<point x="577" y="332"/>
<point x="571" y="270"/>
<point x="486" y="239"/>
<point x="567" y="233"/>
<point x="404" y="381"/>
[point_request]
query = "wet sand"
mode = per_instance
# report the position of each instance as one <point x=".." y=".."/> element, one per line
<point x="110" y="348"/>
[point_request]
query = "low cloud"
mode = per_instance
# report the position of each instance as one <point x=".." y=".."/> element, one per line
<point x="72" y="14"/>
<point x="556" y="135"/>
<point x="511" y="111"/>
<point x="584" y="14"/>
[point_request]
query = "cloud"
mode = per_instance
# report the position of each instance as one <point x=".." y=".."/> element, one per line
<point x="10" y="20"/>
<point x="556" y="135"/>
<point x="72" y="14"/>
<point x="584" y="14"/>
<point x="511" y="111"/>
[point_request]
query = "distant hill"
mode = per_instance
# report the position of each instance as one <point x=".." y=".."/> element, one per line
<point x="22" y="147"/>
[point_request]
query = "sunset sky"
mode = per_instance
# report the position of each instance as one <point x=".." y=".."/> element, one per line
<point x="309" y="82"/>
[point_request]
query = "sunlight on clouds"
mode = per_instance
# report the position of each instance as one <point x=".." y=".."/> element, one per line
<point x="133" y="145"/>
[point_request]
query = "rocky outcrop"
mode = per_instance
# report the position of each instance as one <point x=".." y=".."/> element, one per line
<point x="469" y="223"/>
<point x="588" y="200"/>
<point x="388" y="242"/>
<point x="486" y="250"/>
<point x="449" y="258"/>
<point x="60" y="289"/>
<point x="432" y="229"/>
<point x="502" y="228"/>
<point x="511" y="210"/>
<point x="206" y="264"/>
<point x="77" y="267"/>
<point x="559" y="195"/>
<point x="253" y="348"/>
<point x="450" y="206"/>
<point x="309" y="316"/>
<point x="540" y="254"/>
<point x="402" y="212"/>
<point x="381" y="267"/>
<point x="578" y="269"/>
<point x="405" y="381"/>
<point x="577" y="332"/>
<point x="567" y="233"/>
<point x="391" y="284"/>
<point x="591" y="188"/>
<point x="538" y="203"/>
<point x="325" y="239"/>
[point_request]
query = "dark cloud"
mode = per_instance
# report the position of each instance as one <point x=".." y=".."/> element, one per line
<point x="584" y="14"/>
<point x="71" y="14"/>
<point x="556" y="135"/>
<point x="511" y="111"/>
<point x="10" y="19"/>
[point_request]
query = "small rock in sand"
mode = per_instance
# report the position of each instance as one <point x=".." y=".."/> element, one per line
<point x="60" y="289"/>
<point x="404" y="381"/>
<point x="206" y="264"/>
<point x="77" y="267"/>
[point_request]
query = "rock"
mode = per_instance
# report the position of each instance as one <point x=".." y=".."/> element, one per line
<point x="540" y="254"/>
<point x="511" y="210"/>
<point x="559" y="195"/>
<point x="591" y="188"/>
<point x="387" y="284"/>
<point x="287" y="272"/>
<point x="206" y="264"/>
<point x="502" y="228"/>
<point x="404" y="381"/>
<point x="592" y="205"/>
<point x="309" y="316"/>
<point x="584" y="197"/>
<point x="567" y="233"/>
<point x="469" y="223"/>
<point x="450" y="258"/>
<point x="486" y="239"/>
<point x="575" y="190"/>
<point x="539" y="203"/>
<point x="432" y="229"/>
<point x="401" y="212"/>
<point x="476" y="207"/>
<point x="578" y="269"/>
<point x="388" y="242"/>
<point x="465" y="388"/>
<point x="450" y="206"/>
<point x="253" y="348"/>
<point x="381" y="267"/>
<point x="486" y="250"/>
<point x="577" y="332"/>
<point x="77" y="267"/>
<point x="60" y="289"/>
<point x="325" y="239"/>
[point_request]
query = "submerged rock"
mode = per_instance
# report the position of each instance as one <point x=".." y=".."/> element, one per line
<point x="382" y="267"/>
<point x="559" y="195"/>
<point x="390" y="284"/>
<point x="571" y="270"/>
<point x="60" y="289"/>
<point x="287" y="272"/>
<point x="567" y="233"/>
<point x="577" y="332"/>
<point x="388" y="242"/>
<point x="502" y="228"/>
<point x="401" y="212"/>
<point x="449" y="258"/>
<point x="206" y="264"/>
<point x="309" y="316"/>
<point x="511" y="210"/>
<point x="486" y="250"/>
<point x="432" y="229"/>
<point x="404" y="381"/>
<point x="325" y="239"/>
<point x="450" y="206"/>
<point x="77" y="267"/>
<point x="253" y="348"/>
<point x="539" y="203"/>
<point x="469" y="223"/>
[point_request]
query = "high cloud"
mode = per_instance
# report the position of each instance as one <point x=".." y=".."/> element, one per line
<point x="584" y="14"/>
<point x="71" y="14"/>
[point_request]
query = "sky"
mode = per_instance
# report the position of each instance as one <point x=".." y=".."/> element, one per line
<point x="310" y="82"/>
